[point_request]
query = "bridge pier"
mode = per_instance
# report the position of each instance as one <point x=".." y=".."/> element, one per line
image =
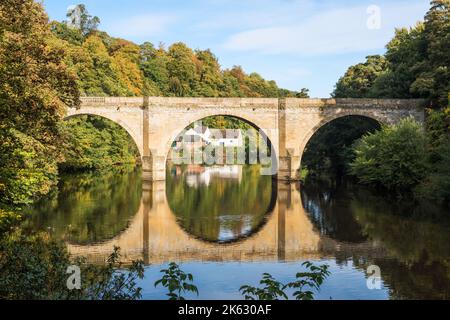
<point x="287" y="159"/>
<point x="154" y="168"/>
<point x="287" y="170"/>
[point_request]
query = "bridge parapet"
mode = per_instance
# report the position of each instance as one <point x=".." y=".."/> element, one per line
<point x="199" y="103"/>
<point x="257" y="103"/>
<point x="356" y="103"/>
<point x="112" y="101"/>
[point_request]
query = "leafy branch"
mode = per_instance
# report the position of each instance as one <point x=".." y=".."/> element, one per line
<point x="177" y="282"/>
<point x="305" y="282"/>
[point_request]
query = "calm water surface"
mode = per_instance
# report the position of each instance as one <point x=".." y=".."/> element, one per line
<point x="228" y="225"/>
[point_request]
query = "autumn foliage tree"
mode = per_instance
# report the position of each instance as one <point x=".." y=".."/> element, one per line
<point x="35" y="84"/>
<point x="35" y="87"/>
<point x="108" y="66"/>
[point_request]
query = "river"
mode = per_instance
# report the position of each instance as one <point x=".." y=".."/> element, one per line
<point x="228" y="225"/>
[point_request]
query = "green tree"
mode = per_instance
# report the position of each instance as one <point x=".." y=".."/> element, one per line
<point x="359" y="79"/>
<point x="154" y="66"/>
<point x="64" y="32"/>
<point x="436" y="185"/>
<point x="405" y="55"/>
<point x="35" y="88"/>
<point x="231" y="85"/>
<point x="182" y="69"/>
<point x="35" y="84"/>
<point x="394" y="157"/>
<point x="95" y="143"/>
<point x="100" y="76"/>
<point x="27" y="171"/>
<point x="108" y="66"/>
<point x="79" y="17"/>
<point x="210" y="76"/>
<point x="437" y="34"/>
<point x="416" y="63"/>
<point x="304" y="93"/>
<point x="126" y="58"/>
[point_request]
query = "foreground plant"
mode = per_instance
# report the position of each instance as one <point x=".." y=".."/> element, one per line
<point x="112" y="281"/>
<point x="35" y="268"/>
<point x="272" y="289"/>
<point x="177" y="282"/>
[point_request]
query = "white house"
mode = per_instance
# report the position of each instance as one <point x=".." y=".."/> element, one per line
<point x="194" y="138"/>
<point x="198" y="137"/>
<point x="226" y="137"/>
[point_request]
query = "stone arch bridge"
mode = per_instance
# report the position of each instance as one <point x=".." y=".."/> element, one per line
<point x="289" y="123"/>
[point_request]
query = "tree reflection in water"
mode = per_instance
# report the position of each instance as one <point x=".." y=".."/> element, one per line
<point x="414" y="238"/>
<point x="337" y="222"/>
<point x="220" y="203"/>
<point x="89" y="207"/>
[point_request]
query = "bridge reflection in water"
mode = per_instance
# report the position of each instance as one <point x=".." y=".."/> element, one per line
<point x="226" y="215"/>
<point x="156" y="236"/>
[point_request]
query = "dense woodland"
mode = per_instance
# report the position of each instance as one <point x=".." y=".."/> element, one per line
<point x="107" y="66"/>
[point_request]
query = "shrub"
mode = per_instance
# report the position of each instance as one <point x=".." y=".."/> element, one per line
<point x="436" y="185"/>
<point x="8" y="219"/>
<point x="28" y="169"/>
<point x="35" y="268"/>
<point x="394" y="157"/>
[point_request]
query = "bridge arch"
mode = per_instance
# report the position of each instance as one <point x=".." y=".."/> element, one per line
<point x="115" y="118"/>
<point x="270" y="137"/>
<point x="327" y="120"/>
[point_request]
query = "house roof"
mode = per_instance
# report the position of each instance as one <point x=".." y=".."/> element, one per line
<point x="200" y="129"/>
<point x="225" y="133"/>
<point x="214" y="134"/>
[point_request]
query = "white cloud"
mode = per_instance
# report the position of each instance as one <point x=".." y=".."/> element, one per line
<point x="251" y="14"/>
<point x="330" y="32"/>
<point x="141" y="26"/>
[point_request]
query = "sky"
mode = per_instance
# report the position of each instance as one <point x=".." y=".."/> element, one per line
<point x="297" y="43"/>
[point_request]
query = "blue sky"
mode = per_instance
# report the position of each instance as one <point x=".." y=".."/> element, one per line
<point x="297" y="43"/>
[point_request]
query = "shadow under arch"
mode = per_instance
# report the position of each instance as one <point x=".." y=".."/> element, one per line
<point x="327" y="121"/>
<point x="269" y="205"/>
<point x="330" y="209"/>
